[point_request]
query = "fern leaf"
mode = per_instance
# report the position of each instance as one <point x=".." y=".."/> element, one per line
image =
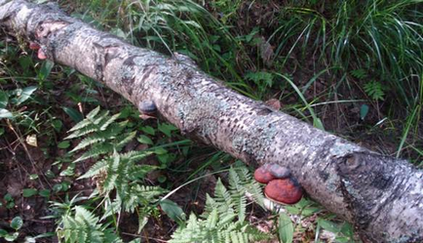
<point x="106" y="124"/>
<point x="375" y="90"/>
<point x="93" y="113"/>
<point x="88" y="141"/>
<point x="359" y="73"/>
<point x="97" y="150"/>
<point x="95" y="169"/>
<point x="90" y="128"/>
<point x="101" y="118"/>
<point x="87" y="121"/>
<point x="124" y="139"/>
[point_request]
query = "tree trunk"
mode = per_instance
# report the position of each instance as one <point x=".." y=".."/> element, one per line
<point x="382" y="196"/>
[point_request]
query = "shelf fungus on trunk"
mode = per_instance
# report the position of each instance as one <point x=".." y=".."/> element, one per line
<point x="281" y="187"/>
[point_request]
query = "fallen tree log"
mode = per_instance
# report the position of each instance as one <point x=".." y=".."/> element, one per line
<point x="382" y="196"/>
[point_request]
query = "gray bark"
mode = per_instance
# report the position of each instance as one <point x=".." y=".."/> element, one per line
<point x="382" y="196"/>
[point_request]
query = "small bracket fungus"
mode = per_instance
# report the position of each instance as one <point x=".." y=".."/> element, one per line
<point x="280" y="187"/>
<point x="147" y="109"/>
<point x="36" y="47"/>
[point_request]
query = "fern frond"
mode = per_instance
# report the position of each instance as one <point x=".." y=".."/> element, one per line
<point x="106" y="124"/>
<point x="101" y="118"/>
<point x="95" y="151"/>
<point x="375" y="90"/>
<point x="135" y="156"/>
<point x="87" y="121"/>
<point x="90" y="128"/>
<point x="93" y="113"/>
<point x="95" y="169"/>
<point x="88" y="141"/>
<point x="359" y="73"/>
<point x="84" y="227"/>
<point x="124" y="139"/>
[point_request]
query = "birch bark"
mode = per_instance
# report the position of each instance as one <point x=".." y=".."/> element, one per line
<point x="382" y="196"/>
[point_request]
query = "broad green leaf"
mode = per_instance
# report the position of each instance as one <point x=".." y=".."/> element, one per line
<point x="5" y="113"/>
<point x="364" y="110"/>
<point x="149" y="130"/>
<point x="64" y="144"/>
<point x="45" y="193"/>
<point x="25" y="94"/>
<point x="8" y="197"/>
<point x="167" y="129"/>
<point x="45" y="69"/>
<point x="328" y="225"/>
<point x="285" y="228"/>
<point x="12" y="237"/>
<point x="74" y="114"/>
<point x="57" y="125"/>
<point x="145" y="140"/>
<point x="173" y="211"/>
<point x="4" y="99"/>
<point x="3" y="233"/>
<point x="29" y="192"/>
<point x="16" y="223"/>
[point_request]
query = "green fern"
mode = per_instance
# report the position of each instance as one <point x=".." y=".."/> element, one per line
<point x="375" y="90"/>
<point x="101" y="132"/>
<point x="118" y="175"/>
<point x="223" y="219"/>
<point x="359" y="73"/>
<point x="83" y="226"/>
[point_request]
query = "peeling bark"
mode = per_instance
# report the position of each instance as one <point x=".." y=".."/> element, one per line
<point x="382" y="196"/>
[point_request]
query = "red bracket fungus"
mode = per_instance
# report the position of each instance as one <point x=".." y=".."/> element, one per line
<point x="280" y="187"/>
<point x="34" y="46"/>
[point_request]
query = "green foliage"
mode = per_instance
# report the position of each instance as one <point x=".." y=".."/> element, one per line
<point x="84" y="226"/>
<point x="381" y="36"/>
<point x="224" y="218"/>
<point x="15" y="224"/>
<point x="101" y="133"/>
<point x="374" y="90"/>
<point x="118" y="175"/>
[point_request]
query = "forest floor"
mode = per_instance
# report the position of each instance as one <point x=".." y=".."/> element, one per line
<point x="33" y="153"/>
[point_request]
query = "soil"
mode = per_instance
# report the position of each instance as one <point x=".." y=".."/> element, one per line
<point x="19" y="160"/>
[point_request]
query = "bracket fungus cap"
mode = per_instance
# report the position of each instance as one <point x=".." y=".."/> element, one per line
<point x="285" y="191"/>
<point x="263" y="175"/>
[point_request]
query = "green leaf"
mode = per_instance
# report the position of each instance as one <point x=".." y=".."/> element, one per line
<point x="5" y="114"/>
<point x="45" y="69"/>
<point x="57" y="125"/>
<point x="33" y="176"/>
<point x="12" y="237"/>
<point x="64" y="144"/>
<point x="74" y="114"/>
<point x="364" y="109"/>
<point x="25" y="94"/>
<point x="3" y="233"/>
<point x="160" y="151"/>
<point x="285" y="228"/>
<point x="167" y="128"/>
<point x="145" y="140"/>
<point x="173" y="211"/>
<point x="45" y="193"/>
<point x="328" y="225"/>
<point x="1" y="131"/>
<point x="16" y="223"/>
<point x="29" y="192"/>
<point x="149" y="130"/>
<point x="8" y="197"/>
<point x="4" y="99"/>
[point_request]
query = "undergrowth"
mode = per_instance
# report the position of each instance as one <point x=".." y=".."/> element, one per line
<point x="360" y="59"/>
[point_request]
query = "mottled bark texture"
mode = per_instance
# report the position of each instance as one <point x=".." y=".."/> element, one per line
<point x="380" y="195"/>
